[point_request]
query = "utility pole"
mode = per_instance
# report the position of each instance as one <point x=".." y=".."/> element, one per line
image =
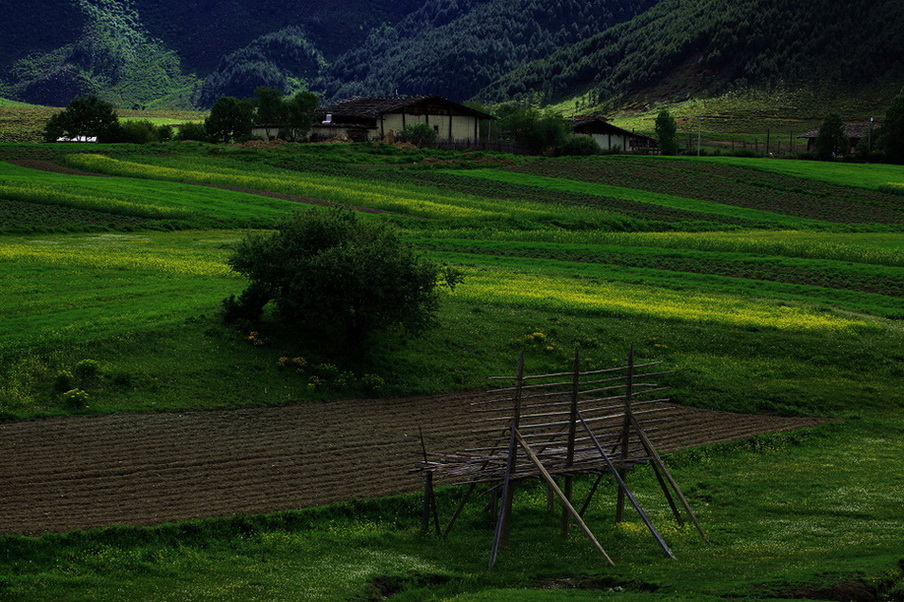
<point x="870" y="143"/>
<point x="699" y="129"/>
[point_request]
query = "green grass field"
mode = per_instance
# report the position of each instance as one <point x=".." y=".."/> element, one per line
<point x="757" y="309"/>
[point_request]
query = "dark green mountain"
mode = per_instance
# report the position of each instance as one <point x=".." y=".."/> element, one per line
<point x="177" y="53"/>
<point x="456" y="47"/>
<point x="138" y="52"/>
<point x="682" y="48"/>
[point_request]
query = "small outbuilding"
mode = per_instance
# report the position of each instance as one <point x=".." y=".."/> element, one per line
<point x="610" y="137"/>
<point x="855" y="132"/>
<point x="366" y="119"/>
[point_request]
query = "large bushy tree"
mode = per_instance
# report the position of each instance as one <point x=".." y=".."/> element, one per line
<point x="335" y="275"/>
<point x="86" y="116"/>
<point x="230" y="119"/>
<point x="831" y="140"/>
<point x="667" y="133"/>
<point x="891" y="135"/>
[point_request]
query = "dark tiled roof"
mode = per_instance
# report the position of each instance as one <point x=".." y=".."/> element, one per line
<point x="601" y="126"/>
<point x="851" y="130"/>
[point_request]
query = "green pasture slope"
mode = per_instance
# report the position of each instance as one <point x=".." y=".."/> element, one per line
<point x="758" y="306"/>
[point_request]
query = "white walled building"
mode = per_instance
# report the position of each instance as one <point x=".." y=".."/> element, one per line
<point x="365" y="119"/>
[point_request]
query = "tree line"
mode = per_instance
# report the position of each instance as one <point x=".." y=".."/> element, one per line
<point x="231" y="119"/>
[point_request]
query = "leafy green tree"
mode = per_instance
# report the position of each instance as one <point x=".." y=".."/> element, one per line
<point x="831" y="140"/>
<point x="229" y="119"/>
<point x="270" y="109"/>
<point x="300" y="114"/>
<point x="891" y="134"/>
<point x="418" y="134"/>
<point x="84" y="116"/>
<point x="193" y="131"/>
<point x="667" y="133"/>
<point x="331" y="274"/>
<point x="536" y="132"/>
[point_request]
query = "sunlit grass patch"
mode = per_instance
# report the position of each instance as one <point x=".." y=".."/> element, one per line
<point x="564" y="294"/>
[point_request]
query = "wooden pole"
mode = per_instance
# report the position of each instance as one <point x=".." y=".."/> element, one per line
<point x="429" y="496"/>
<point x="624" y="487"/>
<point x="599" y="479"/>
<point x="508" y="497"/>
<point x="626" y="432"/>
<point x="572" y="429"/>
<point x="502" y="523"/>
<point x="552" y="483"/>
<point x="651" y="451"/>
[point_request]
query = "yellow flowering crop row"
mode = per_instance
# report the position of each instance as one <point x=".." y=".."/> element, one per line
<point x="563" y="294"/>
<point x="49" y="195"/>
<point x="112" y="258"/>
<point x="383" y="197"/>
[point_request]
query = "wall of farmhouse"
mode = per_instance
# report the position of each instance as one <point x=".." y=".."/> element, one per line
<point x="463" y="127"/>
<point x="610" y="141"/>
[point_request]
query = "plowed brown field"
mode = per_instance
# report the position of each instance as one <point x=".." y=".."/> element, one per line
<point x="70" y="473"/>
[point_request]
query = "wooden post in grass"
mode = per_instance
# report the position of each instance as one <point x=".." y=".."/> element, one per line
<point x="626" y="433"/>
<point x="623" y="487"/>
<point x="503" y="524"/>
<point x="572" y="428"/>
<point x="429" y="496"/>
<point x="552" y="483"/>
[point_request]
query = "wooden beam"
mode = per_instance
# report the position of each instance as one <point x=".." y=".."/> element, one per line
<point x="552" y="484"/>
<point x="503" y="522"/>
<point x="572" y="428"/>
<point x="623" y="487"/>
<point x="668" y="475"/>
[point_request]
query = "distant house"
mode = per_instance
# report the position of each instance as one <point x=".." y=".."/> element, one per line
<point x="365" y="119"/>
<point x="266" y="131"/>
<point x="854" y="131"/>
<point x="610" y="137"/>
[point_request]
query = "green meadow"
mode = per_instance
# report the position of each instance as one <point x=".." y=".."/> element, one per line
<point x="769" y="286"/>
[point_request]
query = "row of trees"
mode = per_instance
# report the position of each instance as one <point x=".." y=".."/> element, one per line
<point x="230" y="119"/>
<point x="832" y="141"/>
<point x="90" y="117"/>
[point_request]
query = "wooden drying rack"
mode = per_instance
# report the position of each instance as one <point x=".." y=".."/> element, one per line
<point x="561" y="425"/>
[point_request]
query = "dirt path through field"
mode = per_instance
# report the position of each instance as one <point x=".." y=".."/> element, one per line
<point x="61" y="474"/>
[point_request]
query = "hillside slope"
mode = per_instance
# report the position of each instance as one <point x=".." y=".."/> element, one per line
<point x="455" y="47"/>
<point x="680" y="48"/>
<point x="144" y="52"/>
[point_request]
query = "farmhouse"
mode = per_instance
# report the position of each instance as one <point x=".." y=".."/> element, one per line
<point x="609" y="137"/>
<point x="365" y="119"/>
<point x="854" y="131"/>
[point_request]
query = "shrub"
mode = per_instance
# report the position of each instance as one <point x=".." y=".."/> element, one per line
<point x="75" y="399"/>
<point x="192" y="131"/>
<point x="580" y="146"/>
<point x="87" y="369"/>
<point x="336" y="276"/>
<point x="418" y="134"/>
<point x="64" y="381"/>
<point x="372" y="383"/>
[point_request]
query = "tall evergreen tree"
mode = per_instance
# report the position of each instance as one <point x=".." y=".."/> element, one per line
<point x="831" y="140"/>
<point x="891" y="136"/>
<point x="667" y="133"/>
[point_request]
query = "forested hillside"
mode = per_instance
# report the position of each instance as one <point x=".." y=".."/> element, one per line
<point x="142" y="52"/>
<point x="684" y="47"/>
<point x="178" y="54"/>
<point x="455" y="47"/>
